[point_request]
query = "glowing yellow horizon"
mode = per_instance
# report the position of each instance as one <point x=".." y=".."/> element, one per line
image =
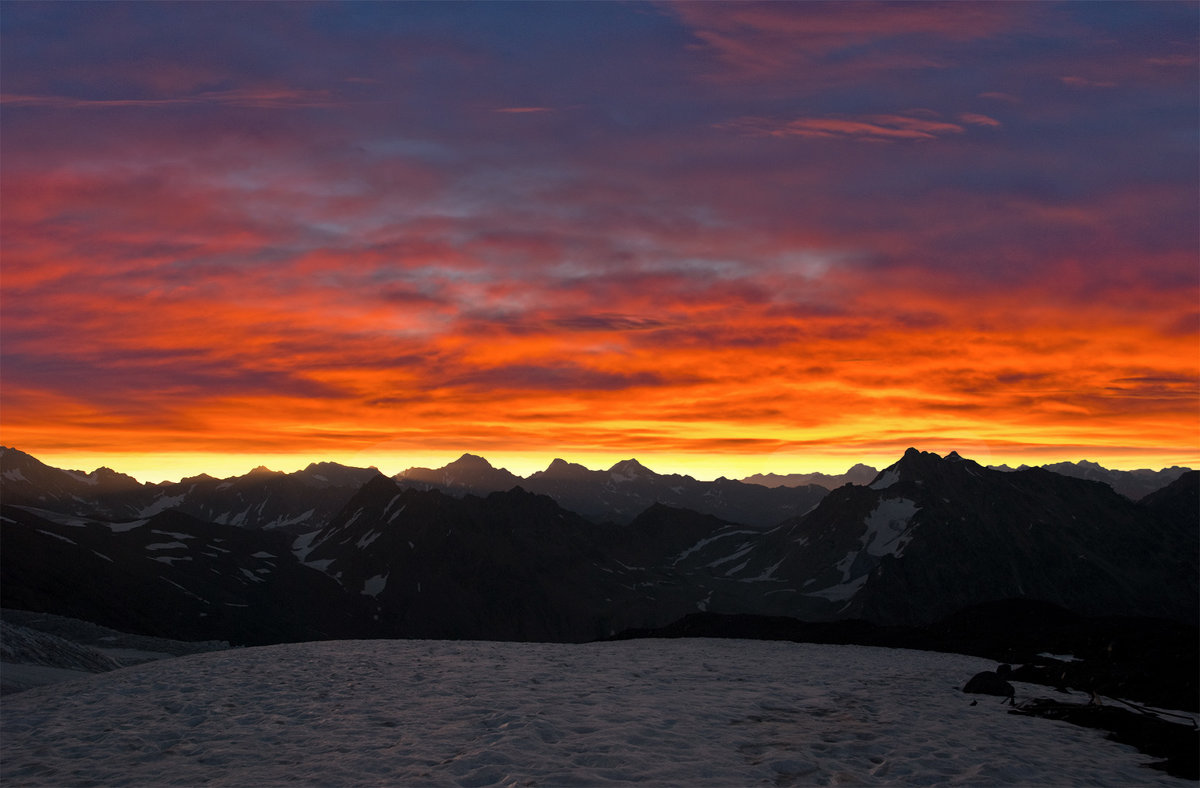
<point x="173" y="467"/>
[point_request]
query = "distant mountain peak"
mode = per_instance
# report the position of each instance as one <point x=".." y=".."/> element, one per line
<point x="560" y="468"/>
<point x="105" y="476"/>
<point x="263" y="470"/>
<point x="917" y="458"/>
<point x="468" y="460"/>
<point x="322" y="474"/>
<point x="470" y="472"/>
<point x="859" y="473"/>
<point x="10" y="452"/>
<point x="628" y="470"/>
<point x="912" y="461"/>
<point x="317" y="467"/>
<point x="919" y="466"/>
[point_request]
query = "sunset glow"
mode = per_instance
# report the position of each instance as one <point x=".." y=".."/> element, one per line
<point x="721" y="238"/>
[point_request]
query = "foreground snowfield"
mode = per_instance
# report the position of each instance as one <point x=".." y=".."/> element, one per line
<point x="660" y="712"/>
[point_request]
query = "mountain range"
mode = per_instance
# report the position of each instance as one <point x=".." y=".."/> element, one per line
<point x="624" y="491"/>
<point x="857" y="474"/>
<point x="566" y="554"/>
<point x="1134" y="484"/>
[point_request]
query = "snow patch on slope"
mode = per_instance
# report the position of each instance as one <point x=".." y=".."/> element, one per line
<point x="303" y="545"/>
<point x="885" y="480"/>
<point x="373" y="585"/>
<point x="887" y="531"/>
<point x="705" y="542"/>
<point x="888" y="527"/>
<point x="284" y="521"/>
<point x="56" y="536"/>
<point x="120" y="528"/>
<point x="166" y="546"/>
<point x="161" y="505"/>
<point x="842" y="591"/>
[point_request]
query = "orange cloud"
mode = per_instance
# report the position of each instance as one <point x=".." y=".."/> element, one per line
<point x="905" y="366"/>
<point x="234" y="256"/>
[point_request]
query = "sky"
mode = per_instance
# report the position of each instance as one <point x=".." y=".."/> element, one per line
<point x="723" y="238"/>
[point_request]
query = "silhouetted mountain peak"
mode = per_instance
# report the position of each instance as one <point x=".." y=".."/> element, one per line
<point x="561" y="469"/>
<point x="657" y="513"/>
<point x="859" y="474"/>
<point x="921" y="467"/>
<point x="11" y="455"/>
<point x="1180" y="501"/>
<point x="263" y="470"/>
<point x="628" y="470"/>
<point x="332" y="474"/>
<point x="518" y="498"/>
<point x="377" y="485"/>
<point x="334" y="467"/>
<point x="907" y="467"/>
<point x="106" y="477"/>
<point x="470" y="462"/>
<point x="916" y="460"/>
<point x="20" y="469"/>
<point x="1135" y="484"/>
<point x="470" y="473"/>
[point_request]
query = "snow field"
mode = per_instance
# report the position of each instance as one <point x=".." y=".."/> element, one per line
<point x="657" y="712"/>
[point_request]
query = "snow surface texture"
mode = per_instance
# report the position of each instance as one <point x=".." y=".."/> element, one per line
<point x="656" y="712"/>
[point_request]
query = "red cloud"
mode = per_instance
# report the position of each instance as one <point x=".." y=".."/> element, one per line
<point x="976" y="119"/>
<point x="870" y="128"/>
<point x="1084" y="82"/>
<point x="762" y="39"/>
<point x="261" y="98"/>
